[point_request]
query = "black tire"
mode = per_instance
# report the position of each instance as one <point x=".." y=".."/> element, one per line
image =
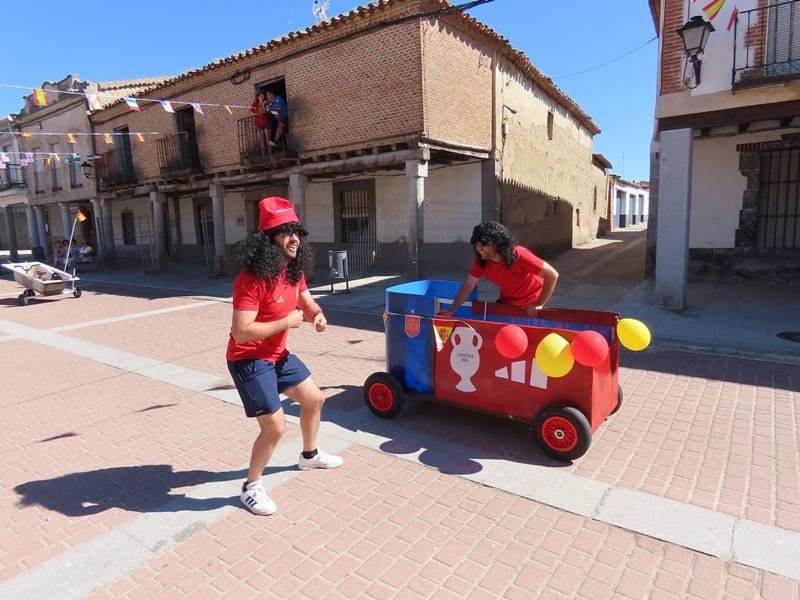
<point x="563" y="432"/>
<point x="29" y="293"/>
<point x="619" y="401"/>
<point x="383" y="395"/>
<point x="76" y="292"/>
<point x="22" y="299"/>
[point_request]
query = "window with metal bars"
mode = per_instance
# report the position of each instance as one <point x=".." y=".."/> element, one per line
<point x="779" y="199"/>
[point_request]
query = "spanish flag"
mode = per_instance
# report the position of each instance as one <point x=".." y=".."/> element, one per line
<point x="39" y="97"/>
<point x="80" y="216"/>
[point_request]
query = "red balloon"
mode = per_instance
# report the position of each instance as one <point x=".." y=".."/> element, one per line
<point x="589" y="348"/>
<point x="511" y="341"/>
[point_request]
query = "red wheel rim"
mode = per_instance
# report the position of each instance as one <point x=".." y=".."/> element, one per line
<point x="381" y="397"/>
<point x="559" y="433"/>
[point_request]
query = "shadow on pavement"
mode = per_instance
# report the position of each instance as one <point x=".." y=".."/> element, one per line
<point x="423" y="425"/>
<point x="145" y="488"/>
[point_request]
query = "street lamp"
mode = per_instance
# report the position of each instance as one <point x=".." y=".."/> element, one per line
<point x="88" y="169"/>
<point x="694" y="35"/>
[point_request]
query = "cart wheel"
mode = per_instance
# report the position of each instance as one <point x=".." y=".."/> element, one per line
<point x="383" y="394"/>
<point x="29" y="293"/>
<point x="619" y="401"/>
<point x="23" y="300"/>
<point x="562" y="431"/>
<point x="76" y="292"/>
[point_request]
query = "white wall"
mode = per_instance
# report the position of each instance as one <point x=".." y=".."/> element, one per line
<point x="188" y="223"/>
<point x="235" y="219"/>
<point x="717" y="59"/>
<point x="142" y="211"/>
<point x="319" y="212"/>
<point x="452" y="205"/>
<point x="717" y="188"/>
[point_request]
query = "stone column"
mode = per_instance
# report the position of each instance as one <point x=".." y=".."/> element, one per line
<point x="66" y="222"/>
<point x="33" y="234"/>
<point x="12" y="234"/>
<point x="416" y="171"/>
<point x="674" y="212"/>
<point x="41" y="233"/>
<point x="99" y="216"/>
<point x="217" y="193"/>
<point x="157" y="201"/>
<point x="108" y="229"/>
<point x="297" y="194"/>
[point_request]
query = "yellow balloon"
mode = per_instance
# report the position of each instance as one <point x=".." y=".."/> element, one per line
<point x="633" y="334"/>
<point x="554" y="356"/>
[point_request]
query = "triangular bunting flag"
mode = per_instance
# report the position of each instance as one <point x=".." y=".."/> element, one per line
<point x="197" y="108"/>
<point x="54" y="156"/>
<point x="109" y="139"/>
<point x="441" y="333"/>
<point x="71" y="138"/>
<point x="80" y="216"/>
<point x="140" y="137"/>
<point x="713" y="8"/>
<point x="167" y="106"/>
<point x="39" y="97"/>
<point x="734" y="16"/>
<point x="228" y="108"/>
<point x="132" y="104"/>
<point x="25" y="134"/>
<point x="4" y="158"/>
<point x="93" y="102"/>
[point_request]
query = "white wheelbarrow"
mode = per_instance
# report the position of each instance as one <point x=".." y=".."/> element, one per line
<point x="40" y="279"/>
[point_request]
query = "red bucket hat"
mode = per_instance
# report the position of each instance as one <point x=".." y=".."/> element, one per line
<point x="275" y="211"/>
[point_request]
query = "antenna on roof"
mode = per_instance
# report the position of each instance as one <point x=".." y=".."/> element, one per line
<point x="319" y="8"/>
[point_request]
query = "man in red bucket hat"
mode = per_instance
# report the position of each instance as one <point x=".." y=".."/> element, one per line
<point x="270" y="296"/>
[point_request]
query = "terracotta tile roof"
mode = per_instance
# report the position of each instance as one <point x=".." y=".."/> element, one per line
<point x="516" y="56"/>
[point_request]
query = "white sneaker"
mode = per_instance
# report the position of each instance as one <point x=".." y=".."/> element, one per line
<point x="256" y="500"/>
<point x="320" y="461"/>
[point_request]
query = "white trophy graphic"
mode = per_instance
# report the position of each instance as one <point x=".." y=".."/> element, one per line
<point x="464" y="359"/>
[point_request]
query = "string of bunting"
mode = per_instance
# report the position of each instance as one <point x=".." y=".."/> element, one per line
<point x="94" y="102"/>
<point x="72" y="137"/>
<point x="26" y="158"/>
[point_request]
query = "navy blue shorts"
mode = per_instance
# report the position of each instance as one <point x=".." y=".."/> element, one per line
<point x="259" y="382"/>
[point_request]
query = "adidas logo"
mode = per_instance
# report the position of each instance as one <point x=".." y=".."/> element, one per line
<point x="517" y="374"/>
<point x="279" y="300"/>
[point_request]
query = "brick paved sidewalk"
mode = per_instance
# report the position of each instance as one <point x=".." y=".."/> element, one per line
<point x="380" y="527"/>
<point x="90" y="448"/>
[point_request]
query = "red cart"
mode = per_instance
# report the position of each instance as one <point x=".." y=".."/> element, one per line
<point x="455" y="360"/>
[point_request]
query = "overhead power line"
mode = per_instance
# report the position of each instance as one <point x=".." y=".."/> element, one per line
<point x="608" y="62"/>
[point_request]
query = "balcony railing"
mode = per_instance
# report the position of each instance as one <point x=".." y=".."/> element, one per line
<point x="113" y="169"/>
<point x="12" y="176"/>
<point x="253" y="146"/>
<point x="178" y="155"/>
<point x="766" y="44"/>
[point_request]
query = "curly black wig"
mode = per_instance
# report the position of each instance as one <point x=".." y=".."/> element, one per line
<point x="492" y="233"/>
<point x="259" y="255"/>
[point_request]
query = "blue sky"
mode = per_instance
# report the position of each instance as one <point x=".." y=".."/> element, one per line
<point x="100" y="41"/>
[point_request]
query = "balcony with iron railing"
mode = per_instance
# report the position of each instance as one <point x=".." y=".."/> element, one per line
<point x="113" y="169"/>
<point x="178" y="155"/>
<point x="766" y="45"/>
<point x="254" y="148"/>
<point x="12" y="176"/>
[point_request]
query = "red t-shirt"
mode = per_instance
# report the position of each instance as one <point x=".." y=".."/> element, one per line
<point x="273" y="302"/>
<point x="260" y="118"/>
<point x="520" y="284"/>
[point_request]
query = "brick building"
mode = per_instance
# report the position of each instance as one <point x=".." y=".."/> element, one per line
<point x="14" y="209"/>
<point x="408" y="124"/>
<point x="725" y="158"/>
<point x="54" y="182"/>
